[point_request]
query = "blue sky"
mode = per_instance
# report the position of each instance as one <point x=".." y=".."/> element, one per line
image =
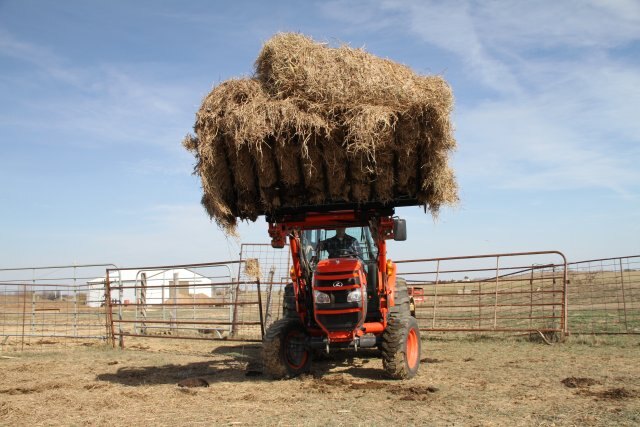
<point x="98" y="95"/>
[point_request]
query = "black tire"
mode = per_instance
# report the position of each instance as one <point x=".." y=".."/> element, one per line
<point x="401" y="306"/>
<point x="401" y="347"/>
<point x="284" y="352"/>
<point x="401" y="299"/>
<point x="289" y="303"/>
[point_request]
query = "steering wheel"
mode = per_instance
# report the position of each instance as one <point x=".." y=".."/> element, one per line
<point x="348" y="253"/>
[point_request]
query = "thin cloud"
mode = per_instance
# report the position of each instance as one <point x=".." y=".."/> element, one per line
<point x="46" y="61"/>
<point x="103" y="103"/>
<point x="562" y="106"/>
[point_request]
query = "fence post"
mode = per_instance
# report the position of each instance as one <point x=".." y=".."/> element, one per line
<point x="142" y="303"/>
<point x="624" y="301"/>
<point x="495" y="306"/>
<point x="109" y="314"/>
<point x="480" y="304"/>
<point x="435" y="295"/>
<point x="553" y="298"/>
<point x="234" y="321"/>
<point x="75" y="304"/>
<point x="120" y="315"/>
<point x="531" y="298"/>
<point x="173" y="295"/>
<point x="565" y="298"/>
<point x="267" y="317"/>
<point x="33" y="313"/>
<point x="260" y="309"/>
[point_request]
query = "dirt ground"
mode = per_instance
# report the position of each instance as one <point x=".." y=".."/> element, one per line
<point x="472" y="381"/>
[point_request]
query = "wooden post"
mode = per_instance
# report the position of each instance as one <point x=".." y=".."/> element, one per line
<point x="142" y="303"/>
<point x="267" y="317"/>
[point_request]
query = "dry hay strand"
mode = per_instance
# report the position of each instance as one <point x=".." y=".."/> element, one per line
<point x="218" y="196"/>
<point x="245" y="143"/>
<point x="335" y="159"/>
<point x="406" y="164"/>
<point x="252" y="268"/>
<point x="269" y="174"/>
<point x="291" y="173"/>
<point x="577" y="382"/>
<point x="369" y="129"/>
<point x="294" y="65"/>
<point x="360" y="173"/>
<point x="315" y="174"/>
<point x="438" y="184"/>
<point x="246" y="182"/>
<point x="384" y="177"/>
<point x="378" y="104"/>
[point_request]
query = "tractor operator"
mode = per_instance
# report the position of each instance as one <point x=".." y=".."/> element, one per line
<point x="340" y="245"/>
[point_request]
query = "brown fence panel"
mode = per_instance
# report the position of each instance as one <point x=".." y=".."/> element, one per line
<point x="187" y="301"/>
<point x="604" y="296"/>
<point x="511" y="292"/>
<point x="237" y="300"/>
<point x="40" y="306"/>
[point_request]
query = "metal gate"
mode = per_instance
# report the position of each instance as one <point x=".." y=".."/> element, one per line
<point x="51" y="305"/>
<point x="604" y="296"/>
<point x="186" y="301"/>
<point x="236" y="300"/>
<point x="510" y="292"/>
<point x="271" y="267"/>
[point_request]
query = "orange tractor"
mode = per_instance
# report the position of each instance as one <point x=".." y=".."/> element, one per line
<point x="341" y="297"/>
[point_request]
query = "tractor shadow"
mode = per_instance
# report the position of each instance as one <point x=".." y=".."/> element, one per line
<point x="348" y="362"/>
<point x="238" y="364"/>
<point x="242" y="363"/>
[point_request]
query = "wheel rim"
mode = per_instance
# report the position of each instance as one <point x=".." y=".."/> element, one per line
<point x="412" y="348"/>
<point x="295" y="353"/>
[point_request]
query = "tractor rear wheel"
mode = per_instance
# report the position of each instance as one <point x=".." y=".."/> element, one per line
<point x="284" y="351"/>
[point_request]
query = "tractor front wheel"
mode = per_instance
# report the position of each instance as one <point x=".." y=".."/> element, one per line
<point x="284" y="351"/>
<point x="401" y="347"/>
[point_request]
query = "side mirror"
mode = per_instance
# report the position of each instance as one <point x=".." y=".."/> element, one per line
<point x="399" y="230"/>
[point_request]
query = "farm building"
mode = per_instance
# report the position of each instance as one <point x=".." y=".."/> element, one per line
<point x="126" y="286"/>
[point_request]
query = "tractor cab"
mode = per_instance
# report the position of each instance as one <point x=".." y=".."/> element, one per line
<point x="328" y="250"/>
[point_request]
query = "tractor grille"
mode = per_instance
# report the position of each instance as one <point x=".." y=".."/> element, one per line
<point x="339" y="322"/>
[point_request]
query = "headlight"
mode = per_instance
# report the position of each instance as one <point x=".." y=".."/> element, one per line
<point x="355" y="295"/>
<point x="321" y="297"/>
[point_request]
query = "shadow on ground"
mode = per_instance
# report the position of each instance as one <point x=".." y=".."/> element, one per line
<point x="210" y="372"/>
<point x="237" y="362"/>
<point x="241" y="363"/>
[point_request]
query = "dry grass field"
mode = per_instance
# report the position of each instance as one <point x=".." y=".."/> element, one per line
<point x="475" y="380"/>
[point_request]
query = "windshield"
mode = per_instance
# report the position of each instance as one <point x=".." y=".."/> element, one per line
<point x="340" y="242"/>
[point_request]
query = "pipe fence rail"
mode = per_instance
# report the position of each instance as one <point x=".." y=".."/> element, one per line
<point x="41" y="306"/>
<point x="187" y="301"/>
<point x="529" y="292"/>
<point x="510" y="292"/>
<point x="604" y="296"/>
